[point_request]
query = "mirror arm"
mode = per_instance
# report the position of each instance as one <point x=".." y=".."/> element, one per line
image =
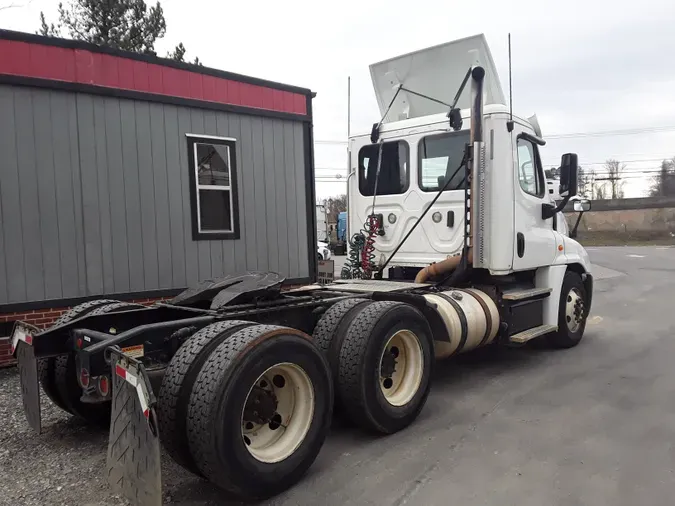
<point x="573" y="232"/>
<point x="549" y="210"/>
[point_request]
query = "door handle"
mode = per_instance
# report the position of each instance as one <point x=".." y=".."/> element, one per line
<point x="520" y="241"/>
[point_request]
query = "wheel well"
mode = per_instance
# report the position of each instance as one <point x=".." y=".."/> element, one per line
<point x="578" y="268"/>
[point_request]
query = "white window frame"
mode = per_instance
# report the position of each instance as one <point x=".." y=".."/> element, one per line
<point x="229" y="143"/>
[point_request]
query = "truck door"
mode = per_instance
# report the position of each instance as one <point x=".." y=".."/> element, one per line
<point x="534" y="244"/>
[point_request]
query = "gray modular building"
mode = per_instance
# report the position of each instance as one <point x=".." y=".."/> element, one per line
<point x="133" y="176"/>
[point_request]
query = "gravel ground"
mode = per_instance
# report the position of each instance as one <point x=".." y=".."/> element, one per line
<point x="65" y="465"/>
<point x="61" y="466"/>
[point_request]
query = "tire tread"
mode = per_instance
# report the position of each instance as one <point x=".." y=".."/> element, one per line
<point x="173" y="432"/>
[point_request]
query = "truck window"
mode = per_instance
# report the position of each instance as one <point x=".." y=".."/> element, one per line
<point x="394" y="169"/>
<point x="529" y="174"/>
<point x="439" y="157"/>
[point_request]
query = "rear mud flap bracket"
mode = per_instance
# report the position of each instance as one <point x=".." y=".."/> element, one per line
<point x="133" y="464"/>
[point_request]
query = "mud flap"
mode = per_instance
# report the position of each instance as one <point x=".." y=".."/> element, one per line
<point x="30" y="386"/>
<point x="133" y="464"/>
<point x="23" y="351"/>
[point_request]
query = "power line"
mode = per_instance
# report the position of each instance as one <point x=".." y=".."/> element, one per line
<point x="569" y="135"/>
<point x="609" y="133"/>
<point x="640" y="160"/>
<point x="331" y="142"/>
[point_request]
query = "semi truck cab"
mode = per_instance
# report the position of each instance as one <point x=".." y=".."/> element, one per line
<point x="418" y="155"/>
<point x="506" y="213"/>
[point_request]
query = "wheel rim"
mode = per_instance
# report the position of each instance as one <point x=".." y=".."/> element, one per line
<point x="401" y="368"/>
<point x="277" y="413"/>
<point x="574" y="310"/>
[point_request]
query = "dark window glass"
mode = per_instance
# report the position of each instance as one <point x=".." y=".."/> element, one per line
<point x="213" y="164"/>
<point x="214" y="210"/>
<point x="394" y="168"/>
<point x="439" y="159"/>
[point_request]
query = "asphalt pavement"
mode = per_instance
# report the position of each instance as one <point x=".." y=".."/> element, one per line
<point x="594" y="425"/>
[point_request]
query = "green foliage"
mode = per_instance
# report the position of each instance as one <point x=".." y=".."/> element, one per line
<point x="178" y="54"/>
<point x="123" y="24"/>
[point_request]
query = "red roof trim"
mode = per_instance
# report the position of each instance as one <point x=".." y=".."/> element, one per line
<point x="83" y="66"/>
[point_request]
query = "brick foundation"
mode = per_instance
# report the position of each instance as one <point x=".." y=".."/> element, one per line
<point x="41" y="318"/>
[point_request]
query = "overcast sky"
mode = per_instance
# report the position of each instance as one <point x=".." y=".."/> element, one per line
<point x="581" y="66"/>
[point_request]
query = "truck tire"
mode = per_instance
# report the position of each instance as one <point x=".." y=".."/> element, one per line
<point x="80" y="310"/>
<point x="260" y="380"/>
<point x="65" y="370"/>
<point x="332" y="328"/>
<point x="46" y="367"/>
<point x="115" y="307"/>
<point x="174" y="394"/>
<point x="70" y="392"/>
<point x="572" y="313"/>
<point x="386" y="360"/>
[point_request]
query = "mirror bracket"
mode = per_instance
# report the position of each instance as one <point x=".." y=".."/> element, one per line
<point x="549" y="210"/>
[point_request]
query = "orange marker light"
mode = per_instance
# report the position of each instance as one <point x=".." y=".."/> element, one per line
<point x="560" y="247"/>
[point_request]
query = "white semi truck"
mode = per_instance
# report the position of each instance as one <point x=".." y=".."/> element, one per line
<point x="455" y="246"/>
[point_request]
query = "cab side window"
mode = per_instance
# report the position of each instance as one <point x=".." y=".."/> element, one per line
<point x="529" y="170"/>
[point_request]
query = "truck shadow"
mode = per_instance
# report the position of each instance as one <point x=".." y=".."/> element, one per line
<point x="353" y="447"/>
<point x="346" y="443"/>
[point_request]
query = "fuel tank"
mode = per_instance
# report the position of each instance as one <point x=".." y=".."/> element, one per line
<point x="470" y="316"/>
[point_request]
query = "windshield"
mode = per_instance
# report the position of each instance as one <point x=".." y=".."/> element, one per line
<point x="439" y="158"/>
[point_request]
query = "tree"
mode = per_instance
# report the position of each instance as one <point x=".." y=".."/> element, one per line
<point x="663" y="184"/>
<point x="334" y="206"/>
<point x="614" y="169"/>
<point x="48" y="30"/>
<point x="585" y="181"/>
<point x="123" y="24"/>
<point x="600" y="191"/>
<point x="178" y="54"/>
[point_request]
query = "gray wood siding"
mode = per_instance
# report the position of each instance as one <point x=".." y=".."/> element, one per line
<point x="95" y="196"/>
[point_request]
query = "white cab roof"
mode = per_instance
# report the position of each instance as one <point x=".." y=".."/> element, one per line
<point x="436" y="72"/>
<point x="431" y="122"/>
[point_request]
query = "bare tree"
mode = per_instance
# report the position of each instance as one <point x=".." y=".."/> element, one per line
<point x="585" y="182"/>
<point x="600" y="191"/>
<point x="663" y="184"/>
<point x="335" y="205"/>
<point x="614" y="169"/>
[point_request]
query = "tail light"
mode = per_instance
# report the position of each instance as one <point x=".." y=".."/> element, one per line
<point x="84" y="378"/>
<point x="103" y="386"/>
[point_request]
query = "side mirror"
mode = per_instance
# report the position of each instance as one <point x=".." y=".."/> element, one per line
<point x="569" y="166"/>
<point x="581" y="206"/>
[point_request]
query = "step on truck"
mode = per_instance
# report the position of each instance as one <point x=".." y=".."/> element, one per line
<point x="453" y="245"/>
